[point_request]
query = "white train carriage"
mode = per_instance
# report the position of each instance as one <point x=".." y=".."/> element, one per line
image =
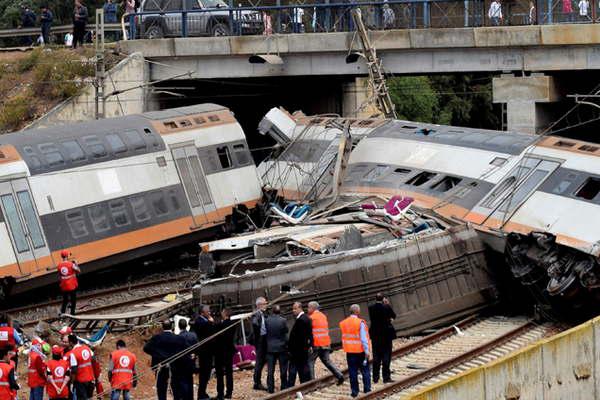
<point x="116" y="189"/>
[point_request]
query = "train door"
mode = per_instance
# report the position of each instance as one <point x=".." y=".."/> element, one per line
<point x="23" y="224"/>
<point x="508" y="195"/>
<point x="194" y="181"/>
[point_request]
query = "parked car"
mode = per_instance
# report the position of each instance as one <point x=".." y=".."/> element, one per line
<point x="168" y="22"/>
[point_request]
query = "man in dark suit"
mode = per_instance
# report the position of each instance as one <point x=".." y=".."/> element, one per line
<point x="225" y="350"/>
<point x="161" y="347"/>
<point x="382" y="334"/>
<point x="277" y="331"/>
<point x="185" y="375"/>
<point x="259" y="340"/>
<point x="300" y="344"/>
<point x="204" y="328"/>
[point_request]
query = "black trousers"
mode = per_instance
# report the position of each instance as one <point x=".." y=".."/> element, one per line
<point x="162" y="384"/>
<point x="184" y="383"/>
<point x="224" y="370"/>
<point x="323" y="353"/>
<point x="382" y="357"/>
<point x="69" y="297"/>
<point x="272" y="359"/>
<point x="206" y="365"/>
<point x="261" y="359"/>
<point x="298" y="366"/>
<point x="84" y="390"/>
<point x="46" y="33"/>
<point x="78" y="33"/>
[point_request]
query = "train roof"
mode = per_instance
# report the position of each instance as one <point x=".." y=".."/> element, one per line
<point x="66" y="146"/>
<point x="483" y="139"/>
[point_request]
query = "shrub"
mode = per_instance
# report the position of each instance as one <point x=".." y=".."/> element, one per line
<point x="27" y="63"/>
<point x="15" y="111"/>
<point x="61" y="74"/>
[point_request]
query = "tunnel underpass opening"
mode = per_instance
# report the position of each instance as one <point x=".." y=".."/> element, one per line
<point x="251" y="98"/>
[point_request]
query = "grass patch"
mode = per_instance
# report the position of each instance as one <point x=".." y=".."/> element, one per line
<point x="61" y="74"/>
<point x="16" y="110"/>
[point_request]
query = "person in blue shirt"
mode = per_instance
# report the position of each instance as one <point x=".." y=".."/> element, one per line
<point x="110" y="12"/>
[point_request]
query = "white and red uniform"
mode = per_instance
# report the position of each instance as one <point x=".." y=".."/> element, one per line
<point x="68" y="276"/>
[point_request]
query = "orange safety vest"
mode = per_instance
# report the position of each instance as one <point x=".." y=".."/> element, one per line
<point x="320" y="329"/>
<point x="58" y="371"/>
<point x="123" y="362"/>
<point x="67" y="275"/>
<point x="350" y="328"/>
<point x="34" y="379"/>
<point x="5" y="391"/>
<point x="85" y="370"/>
<point x="7" y="338"/>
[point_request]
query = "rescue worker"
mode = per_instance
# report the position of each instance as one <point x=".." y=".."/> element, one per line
<point x="321" y="342"/>
<point x="121" y="372"/>
<point x="8" y="382"/>
<point x="355" y="342"/>
<point x="81" y="358"/>
<point x="36" y="371"/>
<point x="10" y="338"/>
<point x="58" y="372"/>
<point x="67" y="272"/>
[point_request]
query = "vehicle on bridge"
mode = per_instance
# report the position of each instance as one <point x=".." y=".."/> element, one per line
<point x="169" y="18"/>
<point x="118" y="189"/>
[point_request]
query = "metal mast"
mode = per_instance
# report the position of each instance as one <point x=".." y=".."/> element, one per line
<point x="376" y="75"/>
<point x="100" y="100"/>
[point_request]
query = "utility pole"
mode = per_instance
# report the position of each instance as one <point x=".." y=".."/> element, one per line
<point x="99" y="100"/>
<point x="376" y="75"/>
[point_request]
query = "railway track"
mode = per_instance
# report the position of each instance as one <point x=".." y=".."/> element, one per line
<point x="118" y="297"/>
<point x="450" y="351"/>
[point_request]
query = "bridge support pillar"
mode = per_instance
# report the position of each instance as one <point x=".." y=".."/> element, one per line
<point x="526" y="99"/>
<point x="355" y="99"/>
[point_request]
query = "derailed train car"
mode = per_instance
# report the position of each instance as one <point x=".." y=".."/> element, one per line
<point x="534" y="199"/>
<point x="117" y="189"/>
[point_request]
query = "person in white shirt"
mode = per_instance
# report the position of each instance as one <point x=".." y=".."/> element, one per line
<point x="532" y="13"/>
<point x="584" y="6"/>
<point x="495" y="13"/>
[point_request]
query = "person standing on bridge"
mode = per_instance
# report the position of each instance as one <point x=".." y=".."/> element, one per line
<point x="46" y="19"/>
<point x="130" y="12"/>
<point x="80" y="19"/>
<point x="67" y="273"/>
<point x="495" y="13"/>
<point x="321" y="342"/>
<point x="383" y="334"/>
<point x="355" y="342"/>
<point x="121" y="372"/>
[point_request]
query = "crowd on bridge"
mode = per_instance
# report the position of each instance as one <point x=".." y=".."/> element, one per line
<point x="71" y="369"/>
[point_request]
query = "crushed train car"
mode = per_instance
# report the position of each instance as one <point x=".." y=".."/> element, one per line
<point x="535" y="199"/>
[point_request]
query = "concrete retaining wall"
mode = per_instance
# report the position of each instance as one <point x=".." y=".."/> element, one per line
<point x="565" y="366"/>
<point x="128" y="73"/>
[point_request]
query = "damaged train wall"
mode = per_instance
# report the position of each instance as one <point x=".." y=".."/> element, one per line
<point x="564" y="366"/>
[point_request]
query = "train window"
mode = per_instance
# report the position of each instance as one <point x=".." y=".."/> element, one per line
<point x="12" y="216"/>
<point x="76" y="224"/>
<point x="159" y="204"/>
<point x="564" y="143"/>
<point x="116" y="143"/>
<point x="446" y="184"/>
<point x="34" y="160"/>
<point x="119" y="212"/>
<point x="147" y="131"/>
<point x="587" y="147"/>
<point x="199" y="120"/>
<point x="402" y="171"/>
<point x="240" y="154"/>
<point x="161" y="161"/>
<point x="31" y="220"/>
<point x="95" y="146"/>
<point x="73" y="150"/>
<point x="562" y="186"/>
<point x="51" y="154"/>
<point x="513" y="200"/>
<point x="421" y="178"/>
<point x="184" y="123"/>
<point x="213" y="118"/>
<point x="174" y="200"/>
<point x="140" y="209"/>
<point x="463" y="191"/>
<point x="376" y="172"/>
<point x="99" y="216"/>
<point x="498" y="161"/>
<point x="170" y="125"/>
<point x="589" y="189"/>
<point x="134" y="140"/>
<point x="224" y="156"/>
<point x="509" y="183"/>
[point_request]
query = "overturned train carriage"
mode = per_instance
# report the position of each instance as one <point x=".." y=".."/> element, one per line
<point x="534" y="199"/>
<point x="431" y="277"/>
<point x="118" y="189"/>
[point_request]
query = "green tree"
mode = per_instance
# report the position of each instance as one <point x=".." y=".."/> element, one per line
<point x="414" y="97"/>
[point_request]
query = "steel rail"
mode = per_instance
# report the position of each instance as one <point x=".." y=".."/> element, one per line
<point x="19" y="32"/>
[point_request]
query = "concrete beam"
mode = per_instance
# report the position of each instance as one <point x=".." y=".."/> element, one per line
<point x="537" y="88"/>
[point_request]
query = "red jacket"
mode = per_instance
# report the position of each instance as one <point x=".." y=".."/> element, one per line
<point x="57" y="370"/>
<point x="67" y="276"/>
<point x="123" y="369"/>
<point x="81" y="357"/>
<point x="36" y="370"/>
<point x="7" y="338"/>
